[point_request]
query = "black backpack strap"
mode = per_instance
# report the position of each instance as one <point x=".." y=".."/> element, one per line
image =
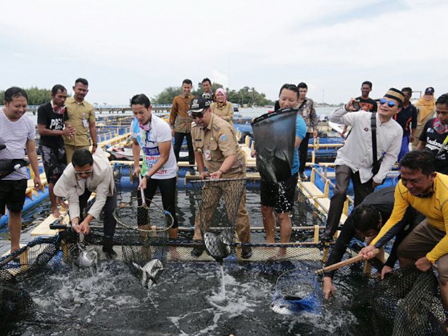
<point x="373" y="127"/>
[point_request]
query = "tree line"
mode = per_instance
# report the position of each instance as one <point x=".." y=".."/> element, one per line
<point x="244" y="96"/>
<point x="36" y="96"/>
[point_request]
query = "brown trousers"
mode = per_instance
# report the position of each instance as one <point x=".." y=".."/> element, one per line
<point x="69" y="150"/>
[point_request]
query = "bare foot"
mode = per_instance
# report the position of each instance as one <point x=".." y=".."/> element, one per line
<point x="281" y="253"/>
<point x="174" y="254"/>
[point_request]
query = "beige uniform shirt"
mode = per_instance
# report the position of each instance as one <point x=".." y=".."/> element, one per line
<point x="79" y="116"/>
<point x="216" y="142"/>
<point x="225" y="113"/>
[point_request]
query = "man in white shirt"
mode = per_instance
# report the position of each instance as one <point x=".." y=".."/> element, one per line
<point x="159" y="167"/>
<point x="89" y="173"/>
<point x="355" y="160"/>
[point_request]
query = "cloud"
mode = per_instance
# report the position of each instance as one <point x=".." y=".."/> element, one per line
<point x="141" y="46"/>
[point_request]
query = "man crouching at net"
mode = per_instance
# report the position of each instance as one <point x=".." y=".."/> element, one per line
<point x="216" y="148"/>
<point x="86" y="174"/>
<point x="365" y="222"/>
<point x="427" y="191"/>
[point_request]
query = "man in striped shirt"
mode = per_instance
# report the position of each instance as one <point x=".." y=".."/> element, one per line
<point x="17" y="133"/>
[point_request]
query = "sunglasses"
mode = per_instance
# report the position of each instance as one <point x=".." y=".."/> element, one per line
<point x="87" y="172"/>
<point x="389" y="102"/>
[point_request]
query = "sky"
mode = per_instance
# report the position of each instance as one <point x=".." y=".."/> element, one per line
<point x="143" y="46"/>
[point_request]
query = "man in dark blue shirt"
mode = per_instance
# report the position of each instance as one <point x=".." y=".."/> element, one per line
<point x="434" y="137"/>
<point x="407" y="118"/>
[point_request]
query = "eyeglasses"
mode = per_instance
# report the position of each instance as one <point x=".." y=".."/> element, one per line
<point x="87" y="172"/>
<point x="197" y="115"/>
<point x="390" y="103"/>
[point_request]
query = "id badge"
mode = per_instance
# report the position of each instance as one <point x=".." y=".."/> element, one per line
<point x="85" y="123"/>
<point x="207" y="155"/>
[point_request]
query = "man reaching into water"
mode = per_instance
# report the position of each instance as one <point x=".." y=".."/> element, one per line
<point x="426" y="191"/>
<point x="89" y="173"/>
<point x="365" y="222"/>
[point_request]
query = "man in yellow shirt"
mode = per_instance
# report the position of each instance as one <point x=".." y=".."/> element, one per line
<point x="427" y="192"/>
<point x="81" y="116"/>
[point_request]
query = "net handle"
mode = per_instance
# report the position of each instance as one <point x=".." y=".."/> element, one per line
<point x="340" y="264"/>
<point x="142" y="191"/>
<point x="219" y="180"/>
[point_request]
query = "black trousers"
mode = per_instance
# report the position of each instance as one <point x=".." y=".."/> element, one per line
<point x="303" y="152"/>
<point x="108" y="210"/>
<point x="178" y="139"/>
<point x="167" y="189"/>
<point x="343" y="176"/>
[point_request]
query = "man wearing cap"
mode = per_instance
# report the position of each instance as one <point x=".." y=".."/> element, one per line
<point x="217" y="151"/>
<point x="354" y="161"/>
<point x="426" y="109"/>
<point x="434" y="137"/>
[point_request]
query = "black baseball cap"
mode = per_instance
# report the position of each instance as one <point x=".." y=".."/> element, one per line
<point x="198" y="105"/>
<point x="429" y="90"/>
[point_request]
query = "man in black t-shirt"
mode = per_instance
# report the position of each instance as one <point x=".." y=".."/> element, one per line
<point x="50" y="124"/>
<point x="434" y="137"/>
<point x="407" y="118"/>
<point x="365" y="102"/>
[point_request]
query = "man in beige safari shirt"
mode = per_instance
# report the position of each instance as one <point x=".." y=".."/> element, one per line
<point x="81" y="116"/>
<point x="216" y="149"/>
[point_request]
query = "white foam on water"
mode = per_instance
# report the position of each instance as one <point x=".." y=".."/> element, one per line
<point x="236" y="302"/>
<point x="82" y="288"/>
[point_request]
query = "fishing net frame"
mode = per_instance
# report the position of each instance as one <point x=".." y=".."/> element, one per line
<point x="212" y="195"/>
<point x="32" y="257"/>
<point x="144" y="230"/>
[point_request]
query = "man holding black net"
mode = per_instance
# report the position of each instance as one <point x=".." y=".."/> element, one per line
<point x="216" y="149"/>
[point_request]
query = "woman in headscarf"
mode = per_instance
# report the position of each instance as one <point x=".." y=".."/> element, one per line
<point x="426" y="108"/>
<point x="221" y="107"/>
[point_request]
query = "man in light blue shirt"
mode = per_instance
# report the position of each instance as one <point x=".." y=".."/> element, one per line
<point x="280" y="196"/>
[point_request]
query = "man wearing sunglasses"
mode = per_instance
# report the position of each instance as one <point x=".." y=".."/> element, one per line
<point x="354" y="161"/>
<point x="216" y="149"/>
<point x="86" y="174"/>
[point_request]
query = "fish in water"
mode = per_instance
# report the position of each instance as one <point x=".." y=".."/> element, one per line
<point x="150" y="272"/>
<point x="217" y="245"/>
<point x="294" y="304"/>
<point x="88" y="257"/>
